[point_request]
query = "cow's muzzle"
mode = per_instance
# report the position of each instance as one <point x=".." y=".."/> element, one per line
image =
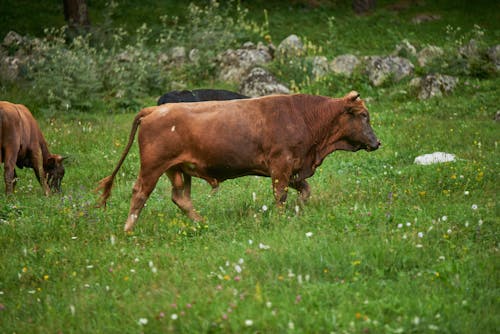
<point x="373" y="146"/>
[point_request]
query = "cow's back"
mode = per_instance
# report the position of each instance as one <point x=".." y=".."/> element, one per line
<point x="231" y="115"/>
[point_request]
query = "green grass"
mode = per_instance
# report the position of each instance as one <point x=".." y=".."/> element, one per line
<point x="68" y="266"/>
<point x="383" y="246"/>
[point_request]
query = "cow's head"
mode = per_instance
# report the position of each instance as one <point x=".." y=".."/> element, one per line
<point x="55" y="172"/>
<point x="357" y="133"/>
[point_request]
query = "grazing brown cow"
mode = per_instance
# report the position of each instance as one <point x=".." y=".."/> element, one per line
<point x="22" y="144"/>
<point x="285" y="137"/>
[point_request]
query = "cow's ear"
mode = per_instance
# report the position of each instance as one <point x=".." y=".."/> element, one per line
<point x="55" y="160"/>
<point x="352" y="96"/>
<point x="52" y="162"/>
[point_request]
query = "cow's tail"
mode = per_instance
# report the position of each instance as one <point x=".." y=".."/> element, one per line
<point x="107" y="183"/>
<point x="1" y="126"/>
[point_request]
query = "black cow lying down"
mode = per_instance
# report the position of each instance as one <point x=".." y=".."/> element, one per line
<point x="198" y="95"/>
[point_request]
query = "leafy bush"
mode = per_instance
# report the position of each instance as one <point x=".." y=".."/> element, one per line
<point x="465" y="54"/>
<point x="131" y="71"/>
<point x="67" y="74"/>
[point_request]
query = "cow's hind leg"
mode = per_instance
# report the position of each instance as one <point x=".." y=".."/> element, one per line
<point x="181" y="193"/>
<point x="143" y="187"/>
<point x="9" y="172"/>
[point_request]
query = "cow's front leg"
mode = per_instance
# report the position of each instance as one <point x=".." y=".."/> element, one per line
<point x="280" y="189"/>
<point x="140" y="194"/>
<point x="41" y="176"/>
<point x="303" y="188"/>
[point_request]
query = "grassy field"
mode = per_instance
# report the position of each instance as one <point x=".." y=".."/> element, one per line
<point x="383" y="246"/>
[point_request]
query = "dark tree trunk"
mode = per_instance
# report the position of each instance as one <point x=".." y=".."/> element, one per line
<point x="363" y="6"/>
<point x="76" y="14"/>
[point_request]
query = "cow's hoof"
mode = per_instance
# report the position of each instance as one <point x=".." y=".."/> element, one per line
<point x="194" y="216"/>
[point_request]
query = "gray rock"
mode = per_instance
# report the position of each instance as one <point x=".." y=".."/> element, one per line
<point x="434" y="158"/>
<point x="319" y="66"/>
<point x="163" y="58"/>
<point x="421" y="18"/>
<point x="125" y="57"/>
<point x="235" y="64"/>
<point x="494" y="56"/>
<point x="194" y="55"/>
<point x="428" y="54"/>
<point x="291" y="46"/>
<point x="344" y="64"/>
<point x="405" y="49"/>
<point x="434" y="85"/>
<point x="260" y="82"/>
<point x="12" y="38"/>
<point x="470" y="50"/>
<point x="178" y="54"/>
<point x="380" y="69"/>
<point x="10" y="68"/>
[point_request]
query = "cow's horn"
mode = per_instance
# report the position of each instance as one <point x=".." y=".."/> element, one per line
<point x="353" y="95"/>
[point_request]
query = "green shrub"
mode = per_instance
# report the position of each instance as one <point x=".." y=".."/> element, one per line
<point x="65" y="76"/>
<point x="67" y="73"/>
<point x="465" y="54"/>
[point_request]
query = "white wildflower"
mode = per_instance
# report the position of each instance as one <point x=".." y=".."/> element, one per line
<point x="262" y="246"/>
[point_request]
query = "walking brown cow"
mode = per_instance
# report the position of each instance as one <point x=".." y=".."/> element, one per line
<point x="285" y="137"/>
<point x="22" y="144"/>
